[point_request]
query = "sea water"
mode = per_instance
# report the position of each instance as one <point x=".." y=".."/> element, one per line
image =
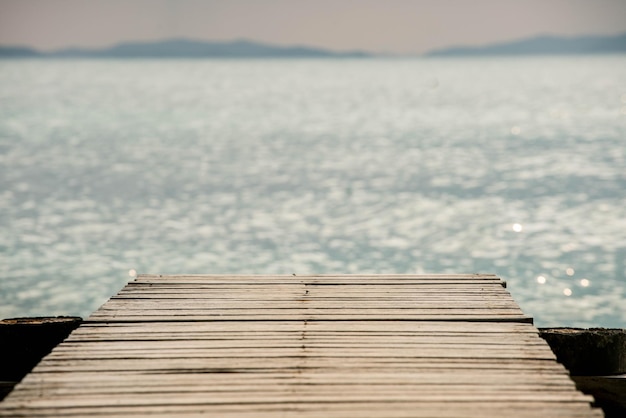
<point x="512" y="166"/>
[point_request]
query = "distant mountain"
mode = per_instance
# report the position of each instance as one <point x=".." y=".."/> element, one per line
<point x="543" y="45"/>
<point x="17" y="52"/>
<point x="184" y="48"/>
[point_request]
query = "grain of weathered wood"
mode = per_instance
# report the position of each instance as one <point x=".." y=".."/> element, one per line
<point x="306" y="346"/>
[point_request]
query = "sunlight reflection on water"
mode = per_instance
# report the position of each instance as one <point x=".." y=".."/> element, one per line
<point x="513" y="167"/>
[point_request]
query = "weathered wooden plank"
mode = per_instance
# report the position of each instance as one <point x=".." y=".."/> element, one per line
<point x="307" y="317"/>
<point x="164" y="304"/>
<point x="344" y="409"/>
<point x="370" y="285"/>
<point x="336" y="353"/>
<point x="389" y="377"/>
<point x="298" y="364"/>
<point x="303" y="308"/>
<point x="355" y="289"/>
<point x="377" y="409"/>
<point x="320" y="326"/>
<point x="147" y="340"/>
<point x="303" y="395"/>
<point x="344" y="277"/>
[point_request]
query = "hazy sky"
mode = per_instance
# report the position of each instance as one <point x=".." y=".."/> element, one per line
<point x="398" y="26"/>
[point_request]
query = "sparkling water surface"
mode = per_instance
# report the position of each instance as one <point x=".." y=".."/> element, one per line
<point x="512" y="166"/>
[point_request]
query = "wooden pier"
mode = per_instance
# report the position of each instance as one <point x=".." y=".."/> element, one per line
<point x="303" y="346"/>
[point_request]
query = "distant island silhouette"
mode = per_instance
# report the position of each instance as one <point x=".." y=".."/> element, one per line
<point x="542" y="45"/>
<point x="186" y="48"/>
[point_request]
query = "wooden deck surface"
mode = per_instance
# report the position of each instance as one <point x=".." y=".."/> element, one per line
<point x="303" y="346"/>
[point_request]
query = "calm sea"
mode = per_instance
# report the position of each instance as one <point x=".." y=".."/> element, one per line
<point x="511" y="166"/>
